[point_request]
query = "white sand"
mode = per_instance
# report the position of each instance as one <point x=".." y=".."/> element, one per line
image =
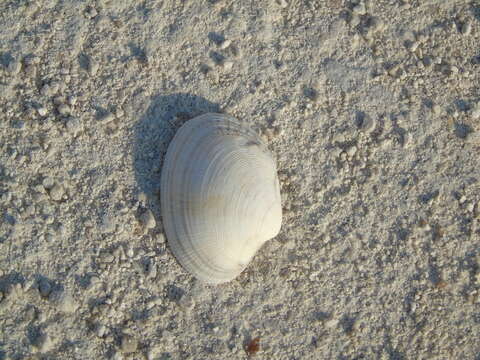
<point x="372" y="111"/>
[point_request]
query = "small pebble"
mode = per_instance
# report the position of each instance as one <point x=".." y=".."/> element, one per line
<point x="228" y="65"/>
<point x="161" y="238"/>
<point x="225" y="44"/>
<point x="42" y="111"/>
<point x="56" y="192"/>
<point x="44" y="287"/>
<point x="427" y="61"/>
<point x="332" y="323"/>
<point x="108" y="117"/>
<point x="93" y="66"/>
<point x="117" y="356"/>
<point x="352" y="151"/>
<point x="108" y="258"/>
<point x="101" y="330"/>
<point x="414" y="46"/>
<point x="48" y="183"/>
<point x="377" y="24"/>
<point x="91" y="12"/>
<point x="31" y="314"/>
<point x="152" y="271"/>
<point x="73" y="125"/>
<point x="58" y="100"/>
<point x="360" y="9"/>
<point x="476" y="112"/>
<point x="72" y="100"/>
<point x="119" y="112"/>
<point x="14" y="67"/>
<point x="148" y="220"/>
<point x="64" y="109"/>
<point x="107" y="225"/>
<point x="142" y="198"/>
<point x="129" y="344"/>
<point x="45" y="90"/>
<point x="368" y="124"/>
<point x="466" y="28"/>
<point x="355" y="21"/>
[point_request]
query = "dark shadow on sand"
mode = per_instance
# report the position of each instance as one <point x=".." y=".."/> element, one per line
<point x="153" y="133"/>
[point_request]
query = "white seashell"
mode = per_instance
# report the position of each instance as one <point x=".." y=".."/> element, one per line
<point x="220" y="197"/>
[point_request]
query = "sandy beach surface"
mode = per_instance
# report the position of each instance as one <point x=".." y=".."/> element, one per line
<point x="372" y="111"/>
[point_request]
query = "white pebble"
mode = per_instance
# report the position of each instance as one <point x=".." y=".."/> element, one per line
<point x="476" y="112"/>
<point x="64" y="109"/>
<point x="56" y="192"/>
<point x="436" y="109"/>
<point x="92" y="66"/>
<point x="152" y="271"/>
<point x="42" y="111"/>
<point x="414" y="46"/>
<point x="228" y="65"/>
<point x="119" y="112"/>
<point x="355" y="20"/>
<point x="148" y="220"/>
<point x="101" y="330"/>
<point x="117" y="356"/>
<point x="73" y="125"/>
<point x="466" y="28"/>
<point x="225" y="44"/>
<point x="48" y="183"/>
<point x="161" y="238"/>
<point x="130" y="252"/>
<point x="129" y="344"/>
<point x="333" y="323"/>
<point x="352" y="151"/>
<point x="107" y="258"/>
<point x="14" y="67"/>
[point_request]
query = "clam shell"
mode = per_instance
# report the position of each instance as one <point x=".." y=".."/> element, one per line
<point x="220" y="197"/>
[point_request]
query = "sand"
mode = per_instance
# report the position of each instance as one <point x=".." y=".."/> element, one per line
<point x="372" y="110"/>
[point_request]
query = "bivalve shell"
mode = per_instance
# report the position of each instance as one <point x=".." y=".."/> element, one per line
<point x="220" y="197"/>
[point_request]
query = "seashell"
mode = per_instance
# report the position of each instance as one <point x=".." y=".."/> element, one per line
<point x="220" y="197"/>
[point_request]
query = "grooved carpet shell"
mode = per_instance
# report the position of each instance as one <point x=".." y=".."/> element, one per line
<point x="220" y="197"/>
